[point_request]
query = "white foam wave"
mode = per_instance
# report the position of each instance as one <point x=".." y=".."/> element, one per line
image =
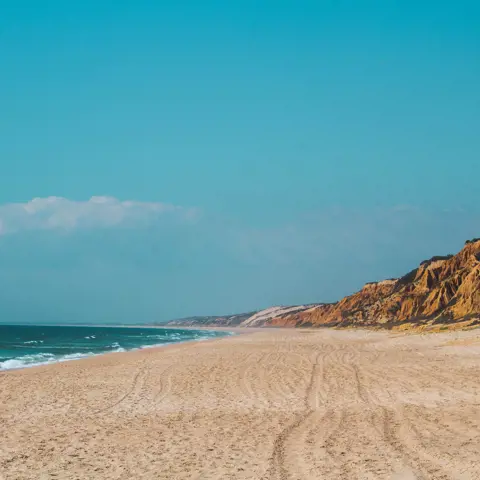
<point x="39" y="359"/>
<point x="156" y="345"/>
<point x="27" y="361"/>
<point x="117" y="347"/>
<point x="75" y="356"/>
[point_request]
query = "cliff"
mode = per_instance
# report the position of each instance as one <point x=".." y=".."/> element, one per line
<point x="442" y="290"/>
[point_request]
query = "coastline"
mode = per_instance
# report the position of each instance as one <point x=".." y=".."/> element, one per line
<point x="114" y="356"/>
<point x="34" y="359"/>
<point x="268" y="404"/>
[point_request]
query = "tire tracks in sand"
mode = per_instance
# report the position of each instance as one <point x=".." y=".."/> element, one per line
<point x="278" y="469"/>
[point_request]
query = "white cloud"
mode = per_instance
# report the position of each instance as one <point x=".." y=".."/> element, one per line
<point x="58" y="213"/>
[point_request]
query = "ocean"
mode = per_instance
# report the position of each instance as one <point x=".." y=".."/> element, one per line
<point x="30" y="345"/>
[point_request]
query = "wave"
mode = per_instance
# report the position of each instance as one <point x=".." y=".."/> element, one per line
<point x="39" y="359"/>
<point x="46" y="358"/>
<point x="117" y="347"/>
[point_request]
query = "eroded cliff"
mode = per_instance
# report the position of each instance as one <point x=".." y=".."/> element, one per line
<point x="440" y="290"/>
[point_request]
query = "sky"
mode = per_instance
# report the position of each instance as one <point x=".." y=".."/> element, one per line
<point x="161" y="159"/>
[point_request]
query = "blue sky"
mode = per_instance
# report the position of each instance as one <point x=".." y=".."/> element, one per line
<point x="244" y="153"/>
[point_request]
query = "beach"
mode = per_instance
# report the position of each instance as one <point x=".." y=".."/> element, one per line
<point x="267" y="404"/>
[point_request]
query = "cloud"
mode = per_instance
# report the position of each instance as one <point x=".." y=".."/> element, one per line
<point x="58" y="213"/>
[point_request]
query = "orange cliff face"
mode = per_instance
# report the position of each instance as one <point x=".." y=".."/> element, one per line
<point x="442" y="290"/>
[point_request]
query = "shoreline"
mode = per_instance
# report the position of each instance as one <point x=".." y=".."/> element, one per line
<point x="85" y="356"/>
<point x="153" y="349"/>
<point x="232" y="330"/>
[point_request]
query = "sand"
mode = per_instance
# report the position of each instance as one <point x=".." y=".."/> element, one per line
<point x="271" y="404"/>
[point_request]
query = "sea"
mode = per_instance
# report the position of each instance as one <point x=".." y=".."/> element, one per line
<point x="24" y="346"/>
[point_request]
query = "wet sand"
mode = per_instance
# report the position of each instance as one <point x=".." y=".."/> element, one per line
<point x="270" y="404"/>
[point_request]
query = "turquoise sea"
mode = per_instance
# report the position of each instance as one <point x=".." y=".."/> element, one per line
<point x="30" y="345"/>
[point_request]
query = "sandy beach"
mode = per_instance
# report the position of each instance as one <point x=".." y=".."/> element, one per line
<point x="271" y="404"/>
